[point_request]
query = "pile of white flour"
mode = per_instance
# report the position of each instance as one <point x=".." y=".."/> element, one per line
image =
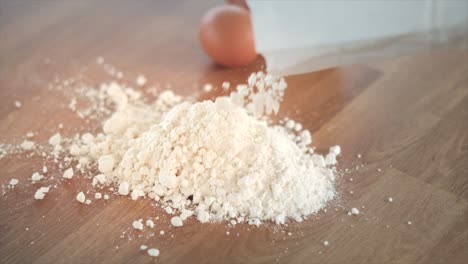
<point x="215" y="160"/>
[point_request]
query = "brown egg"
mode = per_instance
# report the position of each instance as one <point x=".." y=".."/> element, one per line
<point x="241" y="3"/>
<point x="226" y="35"/>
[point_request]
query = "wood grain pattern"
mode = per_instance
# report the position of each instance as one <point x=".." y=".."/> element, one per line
<point x="406" y="116"/>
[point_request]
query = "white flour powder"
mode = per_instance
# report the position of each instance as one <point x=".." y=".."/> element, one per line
<point x="216" y="160"/>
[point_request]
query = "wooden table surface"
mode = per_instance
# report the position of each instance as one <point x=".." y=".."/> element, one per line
<point x="407" y="117"/>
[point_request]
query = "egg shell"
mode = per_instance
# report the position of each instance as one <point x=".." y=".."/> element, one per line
<point x="226" y="35"/>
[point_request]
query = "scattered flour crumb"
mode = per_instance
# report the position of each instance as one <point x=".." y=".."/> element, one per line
<point x="72" y="104"/>
<point x="100" y="178"/>
<point x="330" y="158"/>
<point x="325" y="243"/>
<point x="153" y="252"/>
<point x="55" y="139"/>
<point x="106" y="163"/>
<point x="207" y="87"/>
<point x="169" y="210"/>
<point x="98" y="195"/>
<point x="41" y="193"/>
<point x="354" y="211"/>
<point x="290" y="124"/>
<point x="410" y="223"/>
<point x="335" y="150"/>
<point x="36" y="176"/>
<point x="106" y="197"/>
<point x="18" y="104"/>
<point x="298" y="127"/>
<point x="143" y="247"/>
<point x="27" y="145"/>
<point x="81" y="197"/>
<point x="203" y="216"/>
<point x="149" y="223"/>
<point x="161" y="232"/>
<point x="390" y="199"/>
<point x="124" y="188"/>
<point x="140" y="80"/>
<point x="176" y="221"/>
<point x="99" y="60"/>
<point x="14" y="182"/>
<point x="185" y="214"/>
<point x="225" y="85"/>
<point x="68" y="174"/>
<point x="138" y="224"/>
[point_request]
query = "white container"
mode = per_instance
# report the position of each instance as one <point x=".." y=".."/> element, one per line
<point x="303" y="36"/>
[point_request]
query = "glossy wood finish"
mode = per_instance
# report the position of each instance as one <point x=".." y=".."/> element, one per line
<point x="407" y="117"/>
